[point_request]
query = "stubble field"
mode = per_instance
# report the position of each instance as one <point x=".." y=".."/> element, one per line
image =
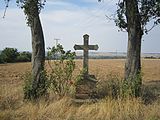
<point x="12" y="105"/>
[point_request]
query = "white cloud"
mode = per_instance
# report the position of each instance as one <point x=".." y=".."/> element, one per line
<point x="69" y="22"/>
<point x="59" y="3"/>
<point x="14" y="31"/>
<point x="70" y="25"/>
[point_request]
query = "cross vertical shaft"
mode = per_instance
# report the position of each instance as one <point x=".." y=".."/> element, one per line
<point x="85" y="54"/>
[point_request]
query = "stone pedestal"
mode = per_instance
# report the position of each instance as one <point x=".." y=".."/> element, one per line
<point x="85" y="88"/>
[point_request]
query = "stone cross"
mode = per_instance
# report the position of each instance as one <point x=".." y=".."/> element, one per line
<point x="85" y="48"/>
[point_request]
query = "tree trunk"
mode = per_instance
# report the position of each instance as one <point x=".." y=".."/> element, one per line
<point x="135" y="32"/>
<point x="38" y="58"/>
<point x="38" y="85"/>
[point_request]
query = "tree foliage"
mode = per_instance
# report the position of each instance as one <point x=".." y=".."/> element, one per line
<point x="29" y="6"/>
<point x="10" y="55"/>
<point x="149" y="12"/>
<point x="24" y="57"/>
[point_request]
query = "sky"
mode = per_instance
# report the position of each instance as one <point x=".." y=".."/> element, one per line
<point x="69" y="20"/>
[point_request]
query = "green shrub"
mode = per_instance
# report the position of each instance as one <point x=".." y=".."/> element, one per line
<point x="132" y="87"/>
<point x="115" y="87"/>
<point x="27" y="87"/>
<point x="32" y="91"/>
<point x="61" y="70"/>
<point x="110" y="87"/>
<point x="9" y="55"/>
<point x="1" y="59"/>
<point x="24" y="57"/>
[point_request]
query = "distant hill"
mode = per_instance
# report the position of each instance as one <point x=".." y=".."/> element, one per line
<point x="108" y="55"/>
<point x="112" y="55"/>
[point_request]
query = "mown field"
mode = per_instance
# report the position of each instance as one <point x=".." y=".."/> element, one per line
<point x="12" y="106"/>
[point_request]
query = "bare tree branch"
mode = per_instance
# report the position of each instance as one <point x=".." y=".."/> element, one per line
<point x="5" y="10"/>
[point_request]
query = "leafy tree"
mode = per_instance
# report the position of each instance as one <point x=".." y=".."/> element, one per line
<point x="24" y="57"/>
<point x="32" y="9"/>
<point x="133" y="17"/>
<point x="1" y="59"/>
<point x="9" y="55"/>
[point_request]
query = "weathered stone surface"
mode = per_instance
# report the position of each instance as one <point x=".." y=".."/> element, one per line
<point x="86" y="86"/>
<point x="86" y="47"/>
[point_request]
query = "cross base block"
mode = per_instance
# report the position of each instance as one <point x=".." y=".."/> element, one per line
<point x="85" y="88"/>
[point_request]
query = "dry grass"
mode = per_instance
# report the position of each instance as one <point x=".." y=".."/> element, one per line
<point x="106" y="109"/>
<point x="12" y="106"/>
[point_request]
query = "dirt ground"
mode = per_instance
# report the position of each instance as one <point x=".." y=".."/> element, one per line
<point x="11" y="73"/>
<point x="12" y="106"/>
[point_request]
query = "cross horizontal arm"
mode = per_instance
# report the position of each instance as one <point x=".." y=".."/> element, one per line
<point x="78" y="47"/>
<point x="90" y="47"/>
<point x="93" y="47"/>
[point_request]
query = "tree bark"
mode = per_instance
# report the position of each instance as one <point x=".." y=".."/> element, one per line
<point x="38" y="85"/>
<point x="38" y="56"/>
<point x="135" y="32"/>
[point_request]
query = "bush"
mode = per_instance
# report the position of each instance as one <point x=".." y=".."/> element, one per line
<point x="61" y="70"/>
<point x="111" y="87"/>
<point x="1" y="59"/>
<point x="115" y="87"/>
<point x="132" y="87"/>
<point x="59" y="80"/>
<point x="9" y="55"/>
<point x="30" y="93"/>
<point x="24" y="57"/>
